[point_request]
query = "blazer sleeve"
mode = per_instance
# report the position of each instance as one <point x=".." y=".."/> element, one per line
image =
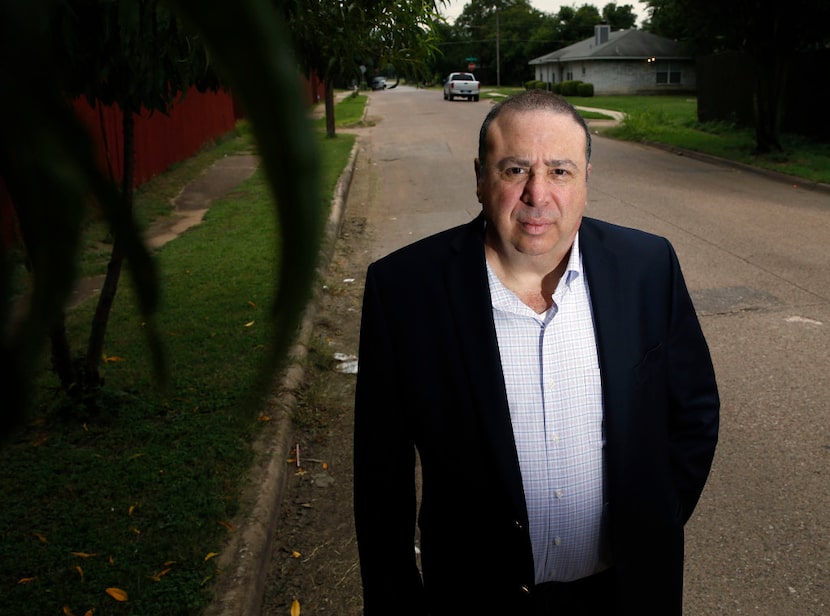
<point x="693" y="396"/>
<point x="384" y="475"/>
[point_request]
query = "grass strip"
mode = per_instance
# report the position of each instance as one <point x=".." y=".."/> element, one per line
<point x="135" y="489"/>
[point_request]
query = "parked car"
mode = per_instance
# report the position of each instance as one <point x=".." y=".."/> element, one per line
<point x="378" y="83"/>
<point x="461" y="84"/>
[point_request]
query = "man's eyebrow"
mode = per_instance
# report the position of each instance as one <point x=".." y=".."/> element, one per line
<point x="509" y="161"/>
<point x="561" y="162"/>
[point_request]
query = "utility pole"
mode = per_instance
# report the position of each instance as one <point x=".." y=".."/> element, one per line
<point x="498" y="55"/>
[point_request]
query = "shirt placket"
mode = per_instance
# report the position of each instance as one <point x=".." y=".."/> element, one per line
<point x="554" y="435"/>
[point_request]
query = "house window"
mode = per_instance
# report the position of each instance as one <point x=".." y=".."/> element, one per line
<point x="668" y="73"/>
<point x="569" y="75"/>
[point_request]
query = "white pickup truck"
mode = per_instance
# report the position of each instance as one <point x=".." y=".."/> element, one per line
<point x="464" y="85"/>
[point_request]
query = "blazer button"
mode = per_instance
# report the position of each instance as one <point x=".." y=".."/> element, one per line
<point x="518" y="525"/>
<point x="525" y="589"/>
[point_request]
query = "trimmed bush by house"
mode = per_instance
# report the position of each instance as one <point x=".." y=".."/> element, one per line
<point x="585" y="89"/>
<point x="569" y="88"/>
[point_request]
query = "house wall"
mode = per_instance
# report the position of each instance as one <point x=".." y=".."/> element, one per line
<point x="617" y="77"/>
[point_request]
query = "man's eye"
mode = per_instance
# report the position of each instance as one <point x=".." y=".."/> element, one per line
<point x="560" y="172"/>
<point x="514" y="171"/>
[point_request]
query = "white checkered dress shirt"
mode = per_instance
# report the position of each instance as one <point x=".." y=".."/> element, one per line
<point x="554" y="392"/>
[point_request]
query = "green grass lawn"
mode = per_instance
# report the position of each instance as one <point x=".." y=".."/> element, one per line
<point x="136" y="491"/>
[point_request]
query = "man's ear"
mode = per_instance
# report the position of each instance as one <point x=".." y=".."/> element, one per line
<point x="587" y="172"/>
<point x="477" y="165"/>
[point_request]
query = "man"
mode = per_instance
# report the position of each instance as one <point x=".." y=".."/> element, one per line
<point x="551" y="373"/>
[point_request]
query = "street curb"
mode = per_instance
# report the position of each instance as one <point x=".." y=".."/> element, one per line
<point x="245" y="557"/>
<point x="796" y="182"/>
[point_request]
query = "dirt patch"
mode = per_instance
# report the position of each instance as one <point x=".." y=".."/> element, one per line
<point x="315" y="554"/>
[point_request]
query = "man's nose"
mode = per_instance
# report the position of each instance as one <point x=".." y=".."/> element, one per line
<point x="536" y="190"/>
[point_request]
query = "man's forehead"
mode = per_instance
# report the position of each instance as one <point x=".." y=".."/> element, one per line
<point x="509" y="116"/>
<point x="509" y="123"/>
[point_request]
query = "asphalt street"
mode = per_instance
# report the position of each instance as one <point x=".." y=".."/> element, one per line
<point x="755" y="252"/>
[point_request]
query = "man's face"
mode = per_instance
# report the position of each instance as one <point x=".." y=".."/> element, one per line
<point x="534" y="188"/>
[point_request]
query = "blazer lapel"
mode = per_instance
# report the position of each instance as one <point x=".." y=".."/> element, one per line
<point x="469" y="293"/>
<point x="610" y="308"/>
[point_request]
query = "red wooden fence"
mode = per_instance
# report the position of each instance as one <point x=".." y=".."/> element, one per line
<point x="160" y="140"/>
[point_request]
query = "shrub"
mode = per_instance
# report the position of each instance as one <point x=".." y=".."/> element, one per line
<point x="557" y="88"/>
<point x="585" y="89"/>
<point x="569" y="88"/>
<point x="535" y="84"/>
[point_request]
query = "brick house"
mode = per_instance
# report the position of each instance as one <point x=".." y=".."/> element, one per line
<point x="622" y="62"/>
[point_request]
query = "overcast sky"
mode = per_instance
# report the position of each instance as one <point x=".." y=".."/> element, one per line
<point x="454" y="7"/>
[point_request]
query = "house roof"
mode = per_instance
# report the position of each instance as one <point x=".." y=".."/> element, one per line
<point x="621" y="45"/>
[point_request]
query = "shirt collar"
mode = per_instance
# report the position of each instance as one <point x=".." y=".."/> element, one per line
<point x="574" y="268"/>
<point x="504" y="299"/>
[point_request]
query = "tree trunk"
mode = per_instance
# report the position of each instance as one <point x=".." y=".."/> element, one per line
<point x="95" y="346"/>
<point x="771" y="79"/>
<point x="329" y="89"/>
<point x="62" y="354"/>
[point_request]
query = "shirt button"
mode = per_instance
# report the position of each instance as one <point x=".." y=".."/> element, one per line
<point x="558" y="493"/>
<point x="557" y="541"/>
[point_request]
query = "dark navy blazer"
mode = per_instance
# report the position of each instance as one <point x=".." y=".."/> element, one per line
<point x="430" y="380"/>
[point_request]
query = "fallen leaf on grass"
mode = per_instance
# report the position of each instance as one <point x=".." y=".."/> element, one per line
<point x="42" y="537"/>
<point x="249" y="323"/>
<point x="26" y="580"/>
<point x="67" y="611"/>
<point x="264" y="418"/>
<point x="108" y="359"/>
<point x="83" y="554"/>
<point x="117" y="594"/>
<point x="157" y="577"/>
<point x="227" y="525"/>
<point x="80" y="571"/>
<point x="295" y="608"/>
<point x="211" y="555"/>
<point x="295" y="554"/>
